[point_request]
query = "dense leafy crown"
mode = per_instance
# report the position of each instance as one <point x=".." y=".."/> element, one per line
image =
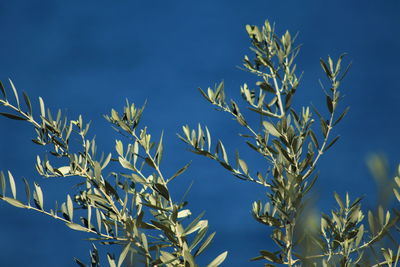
<point x="131" y="206"/>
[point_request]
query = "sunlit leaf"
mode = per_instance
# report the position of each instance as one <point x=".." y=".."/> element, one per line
<point x="77" y="227"/>
<point x="271" y="128"/>
<point x="14" y="202"/>
<point x="12" y="185"/>
<point x="218" y="260"/>
<point x="123" y="254"/>
<point x="15" y="92"/>
<point x="38" y="196"/>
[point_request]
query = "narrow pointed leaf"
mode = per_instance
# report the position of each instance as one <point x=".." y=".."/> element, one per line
<point x="27" y="191"/>
<point x="123" y="254"/>
<point x="12" y="185"/>
<point x="42" y="107"/>
<point x="332" y="143"/>
<point x="70" y="208"/>
<point x="38" y="196"/>
<point x="15" y="92"/>
<point x="218" y="260"/>
<point x="3" y="91"/>
<point x="14" y="202"/>
<point x="271" y="129"/>
<point x="12" y="116"/>
<point x="179" y="172"/>
<point x="205" y="244"/>
<point x="27" y="102"/>
<point x="77" y="227"/>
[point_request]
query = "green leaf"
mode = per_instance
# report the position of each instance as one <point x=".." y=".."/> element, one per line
<point x="81" y="264"/>
<point x="167" y="257"/>
<point x="325" y="68"/>
<point x="360" y="234"/>
<point x="3" y="183"/>
<point x="271" y="129"/>
<point x="162" y="190"/>
<point x="12" y="185"/>
<point x="339" y="200"/>
<point x="138" y="179"/>
<point x="3" y="91"/>
<point x="119" y="148"/>
<point x="15" y="92"/>
<point x="371" y="222"/>
<point x="14" y="202"/>
<point x="97" y="171"/>
<point x="27" y="102"/>
<point x="218" y="260"/>
<point x="223" y="151"/>
<point x="314" y="139"/>
<point x="27" y="191"/>
<point x="243" y="166"/>
<point x="42" y="108"/>
<point x="208" y="139"/>
<point x="205" y="95"/>
<point x="205" y="244"/>
<point x="199" y="236"/>
<point x="397" y="194"/>
<point x="341" y="116"/>
<point x="324" y="127"/>
<point x="270" y="256"/>
<point x="150" y="162"/>
<point x="123" y="254"/>
<point x="106" y="161"/>
<point x="38" y="196"/>
<point x="332" y="143"/>
<point x="126" y="164"/>
<point x="188" y="258"/>
<point x="77" y="227"/>
<point x="70" y="208"/>
<point x="329" y="103"/>
<point x="12" y="116"/>
<point x="159" y="150"/>
<point x="111" y="260"/>
<point x="179" y="172"/>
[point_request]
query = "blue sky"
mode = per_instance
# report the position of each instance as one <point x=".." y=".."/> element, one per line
<point x="86" y="57"/>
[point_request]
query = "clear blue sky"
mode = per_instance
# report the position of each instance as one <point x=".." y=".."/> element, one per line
<point x="88" y="56"/>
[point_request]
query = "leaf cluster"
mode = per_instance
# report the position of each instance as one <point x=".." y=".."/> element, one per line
<point x="131" y="206"/>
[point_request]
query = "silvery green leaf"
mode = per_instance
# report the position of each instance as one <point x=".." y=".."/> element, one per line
<point x="111" y="260"/>
<point x="15" y="93"/>
<point x="243" y="166"/>
<point x="42" y="108"/>
<point x="123" y="254"/>
<point x="3" y="183"/>
<point x="14" y="202"/>
<point x="27" y="102"/>
<point x="179" y="172"/>
<point x="271" y="129"/>
<point x="38" y="196"/>
<point x="205" y="244"/>
<point x="218" y="260"/>
<point x="77" y="227"/>
<point x="70" y="208"/>
<point x="12" y="185"/>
